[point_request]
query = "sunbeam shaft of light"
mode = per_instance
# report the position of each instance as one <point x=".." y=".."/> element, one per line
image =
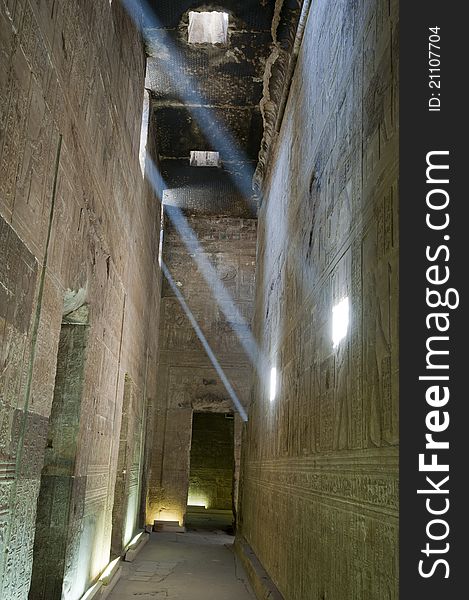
<point x="213" y="359"/>
<point x="188" y="89"/>
<point x="219" y="292"/>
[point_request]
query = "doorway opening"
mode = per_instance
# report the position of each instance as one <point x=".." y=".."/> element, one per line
<point x="211" y="476"/>
<point x="55" y="504"/>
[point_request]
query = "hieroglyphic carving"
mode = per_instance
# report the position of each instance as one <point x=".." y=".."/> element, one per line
<point x="126" y="501"/>
<point x="178" y="332"/>
<point x="326" y="403"/>
<point x="365" y="482"/>
<point x="320" y="462"/>
<point x="378" y="349"/>
<point x="286" y="32"/>
<point x="55" y="79"/>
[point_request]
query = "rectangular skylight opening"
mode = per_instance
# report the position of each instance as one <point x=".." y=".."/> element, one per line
<point x="209" y="27"/>
<point x="203" y="158"/>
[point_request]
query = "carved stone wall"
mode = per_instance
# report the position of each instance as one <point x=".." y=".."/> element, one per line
<point x="74" y="215"/>
<point x="319" y="502"/>
<point x="125" y="515"/>
<point x="187" y="380"/>
<point x="54" y="503"/>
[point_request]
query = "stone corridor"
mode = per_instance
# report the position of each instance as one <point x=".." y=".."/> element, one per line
<point x="199" y="299"/>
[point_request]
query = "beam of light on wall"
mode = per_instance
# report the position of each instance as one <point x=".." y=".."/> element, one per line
<point x="130" y="517"/>
<point x="189" y="90"/>
<point x="216" y="286"/>
<point x="229" y="388"/>
<point x="218" y="290"/>
<point x="94" y="549"/>
<point x="104" y="579"/>
<point x="90" y="593"/>
<point x="340" y="321"/>
<point x="154" y="177"/>
<point x="108" y="570"/>
<point x="144" y="18"/>
<point x="135" y="539"/>
<point x="273" y="384"/>
<point x="91" y="558"/>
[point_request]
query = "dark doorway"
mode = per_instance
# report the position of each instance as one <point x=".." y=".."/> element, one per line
<point x="54" y="505"/>
<point x="210" y="498"/>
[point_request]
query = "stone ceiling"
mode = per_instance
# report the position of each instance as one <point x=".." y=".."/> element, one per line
<point x="209" y="97"/>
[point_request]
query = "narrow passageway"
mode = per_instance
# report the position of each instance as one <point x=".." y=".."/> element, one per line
<point x="199" y="285"/>
<point x="196" y="565"/>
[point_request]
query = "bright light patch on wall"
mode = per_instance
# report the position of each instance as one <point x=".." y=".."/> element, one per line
<point x="210" y="27"/>
<point x="91" y="592"/>
<point x="108" y="570"/>
<point x="93" y="556"/>
<point x="130" y="518"/>
<point x="144" y="130"/>
<point x="196" y="500"/>
<point x="203" y="158"/>
<point x="160" y="245"/>
<point x="170" y="516"/>
<point x="340" y="321"/>
<point x="273" y="383"/>
<point x="135" y="540"/>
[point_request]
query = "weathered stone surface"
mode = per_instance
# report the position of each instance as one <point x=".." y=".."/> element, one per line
<point x="320" y="460"/>
<point x="74" y="215"/>
<point x="318" y="496"/>
<point x="188" y="382"/>
<point x="125" y="513"/>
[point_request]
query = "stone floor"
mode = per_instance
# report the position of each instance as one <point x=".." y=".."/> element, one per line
<point x="196" y="565"/>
